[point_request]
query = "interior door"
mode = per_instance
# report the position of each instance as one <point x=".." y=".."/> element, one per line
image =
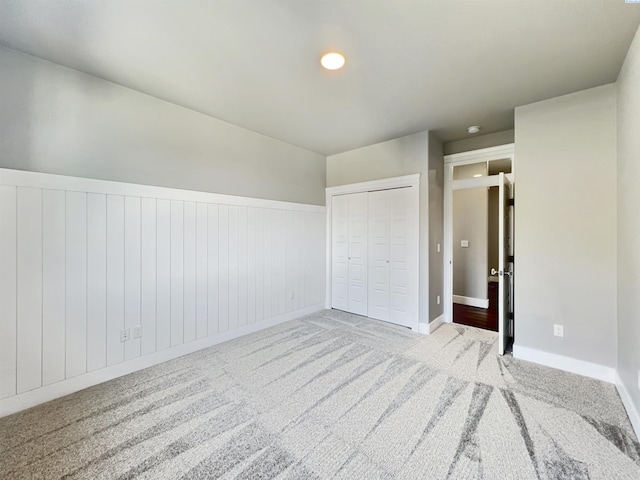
<point x="340" y="252"/>
<point x="379" y="211"/>
<point x="403" y="240"/>
<point x="505" y="264"/>
<point x="357" y="274"/>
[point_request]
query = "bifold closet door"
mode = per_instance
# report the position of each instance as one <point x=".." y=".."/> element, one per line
<point x="349" y="253"/>
<point x="393" y="260"/>
<point x="379" y="250"/>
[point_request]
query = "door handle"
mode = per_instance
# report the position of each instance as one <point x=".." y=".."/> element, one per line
<point x="495" y="272"/>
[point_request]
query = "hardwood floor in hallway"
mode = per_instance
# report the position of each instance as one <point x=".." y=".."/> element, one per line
<point x="486" y="318"/>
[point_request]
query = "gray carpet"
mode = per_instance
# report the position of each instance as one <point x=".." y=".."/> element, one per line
<point x="332" y="395"/>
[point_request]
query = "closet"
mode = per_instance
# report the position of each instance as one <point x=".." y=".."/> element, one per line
<point x="374" y="254"/>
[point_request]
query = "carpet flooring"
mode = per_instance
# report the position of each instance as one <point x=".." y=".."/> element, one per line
<point x="331" y="395"/>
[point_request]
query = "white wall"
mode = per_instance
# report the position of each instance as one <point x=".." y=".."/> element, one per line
<point x="401" y="156"/>
<point x="629" y="227"/>
<point x="566" y="225"/>
<point x="57" y="120"/>
<point x="83" y="259"/>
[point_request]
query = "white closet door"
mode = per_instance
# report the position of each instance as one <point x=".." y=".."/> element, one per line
<point x="403" y="256"/>
<point x="379" y="247"/>
<point x="358" y="253"/>
<point x="340" y="252"/>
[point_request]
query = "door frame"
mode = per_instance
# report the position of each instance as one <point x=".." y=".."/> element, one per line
<point x="501" y="152"/>
<point x="361" y="187"/>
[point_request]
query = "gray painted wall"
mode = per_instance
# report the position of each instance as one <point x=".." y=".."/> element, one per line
<point x="470" y="222"/>
<point x="401" y="156"/>
<point x="436" y="226"/>
<point x="629" y="222"/>
<point x="57" y="120"/>
<point x="566" y="225"/>
<point x="481" y="141"/>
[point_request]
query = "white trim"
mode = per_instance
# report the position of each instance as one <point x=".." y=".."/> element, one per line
<point x="50" y="392"/>
<point x="330" y="192"/>
<point x="492" y="153"/>
<point x="383" y="184"/>
<point x="471" y="301"/>
<point x="20" y="178"/>
<point x="432" y="326"/>
<point x="567" y="364"/>
<point x="632" y="411"/>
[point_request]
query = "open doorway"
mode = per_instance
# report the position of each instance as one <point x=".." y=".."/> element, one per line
<point x="478" y="241"/>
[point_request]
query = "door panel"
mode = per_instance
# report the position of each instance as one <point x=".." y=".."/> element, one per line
<point x="403" y="260"/>
<point x="379" y="261"/>
<point x="357" y="272"/>
<point x="340" y="252"/>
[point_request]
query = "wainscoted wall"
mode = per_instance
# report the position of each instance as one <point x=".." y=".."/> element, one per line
<point x="82" y="260"/>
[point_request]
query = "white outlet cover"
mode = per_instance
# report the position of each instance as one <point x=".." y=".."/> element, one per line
<point x="438" y="299"/>
<point x="558" y="330"/>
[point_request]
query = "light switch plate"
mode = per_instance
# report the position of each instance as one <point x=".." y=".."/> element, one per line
<point x="464" y="243"/>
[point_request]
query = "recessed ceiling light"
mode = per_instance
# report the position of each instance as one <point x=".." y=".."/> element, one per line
<point x="473" y="129"/>
<point x="332" y="61"/>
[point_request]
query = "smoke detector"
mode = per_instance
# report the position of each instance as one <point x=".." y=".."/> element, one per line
<point x="473" y="129"/>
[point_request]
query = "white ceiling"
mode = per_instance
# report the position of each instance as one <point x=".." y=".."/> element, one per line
<point x="411" y="65"/>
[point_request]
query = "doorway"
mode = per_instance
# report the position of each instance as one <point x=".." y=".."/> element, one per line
<point x="479" y="260"/>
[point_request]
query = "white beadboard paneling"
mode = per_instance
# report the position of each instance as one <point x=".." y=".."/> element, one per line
<point x="96" y="281"/>
<point x="163" y="294"/>
<point x="233" y="267"/>
<point x="148" y="276"/>
<point x="242" y="265"/>
<point x="53" y="286"/>
<point x="29" y="293"/>
<point x="115" y="278"/>
<point x="267" y="274"/>
<point x="280" y="246"/>
<point x="212" y="269"/>
<point x="81" y="260"/>
<point x="8" y="198"/>
<point x="259" y="278"/>
<point x="223" y="268"/>
<point x="201" y="270"/>
<point x="189" y="271"/>
<point x="300" y="251"/>
<point x="177" y="272"/>
<point x="290" y="254"/>
<point x="76" y="302"/>
<point x="251" y="265"/>
<point x="314" y="262"/>
<point x="132" y="262"/>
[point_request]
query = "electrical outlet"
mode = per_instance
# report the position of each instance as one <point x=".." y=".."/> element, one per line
<point x="137" y="331"/>
<point x="558" y="330"/>
<point x="124" y="335"/>
<point x="438" y="299"/>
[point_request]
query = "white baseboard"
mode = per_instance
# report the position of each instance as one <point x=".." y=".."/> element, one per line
<point x="568" y="364"/>
<point x="632" y="411"/>
<point x="471" y="302"/>
<point x="50" y="392"/>
<point x="432" y="326"/>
